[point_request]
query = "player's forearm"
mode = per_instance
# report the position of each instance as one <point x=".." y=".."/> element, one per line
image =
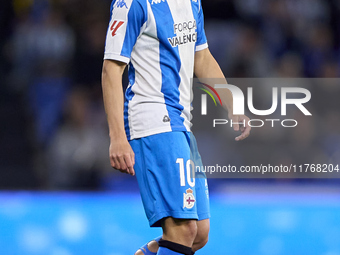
<point x="113" y="98"/>
<point x="207" y="68"/>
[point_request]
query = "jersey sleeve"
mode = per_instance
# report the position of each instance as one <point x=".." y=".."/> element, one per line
<point x="201" y="43"/>
<point x="127" y="20"/>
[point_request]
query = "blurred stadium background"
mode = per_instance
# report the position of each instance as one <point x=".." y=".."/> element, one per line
<point x="59" y="195"/>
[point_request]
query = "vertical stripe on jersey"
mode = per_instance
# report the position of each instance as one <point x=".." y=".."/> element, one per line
<point x="170" y="78"/>
<point x="129" y="94"/>
<point x="148" y="98"/>
<point x="201" y="38"/>
<point x="186" y="54"/>
<point x="136" y="23"/>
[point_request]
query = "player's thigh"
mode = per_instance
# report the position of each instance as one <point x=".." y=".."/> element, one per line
<point x="202" y="235"/>
<point x="179" y="230"/>
<point x="203" y="228"/>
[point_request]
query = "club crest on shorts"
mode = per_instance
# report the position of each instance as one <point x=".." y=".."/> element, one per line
<point x="188" y="199"/>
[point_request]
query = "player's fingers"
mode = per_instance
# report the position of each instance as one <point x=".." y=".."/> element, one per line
<point x="244" y="134"/>
<point x="247" y="128"/>
<point x="129" y="164"/>
<point x="235" y="121"/>
<point x="119" y="165"/>
<point x="240" y="138"/>
<point x="116" y="165"/>
<point x="133" y="162"/>
<point x="122" y="164"/>
<point x="114" y="162"/>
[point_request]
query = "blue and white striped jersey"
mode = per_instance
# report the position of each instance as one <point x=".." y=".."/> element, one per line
<point x="158" y="39"/>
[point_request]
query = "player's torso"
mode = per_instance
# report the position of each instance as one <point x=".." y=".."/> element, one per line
<point x="162" y="64"/>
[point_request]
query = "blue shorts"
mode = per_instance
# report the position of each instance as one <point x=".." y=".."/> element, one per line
<point x="165" y="166"/>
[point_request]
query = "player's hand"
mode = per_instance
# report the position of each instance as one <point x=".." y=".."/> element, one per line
<point x="122" y="156"/>
<point x="245" y="129"/>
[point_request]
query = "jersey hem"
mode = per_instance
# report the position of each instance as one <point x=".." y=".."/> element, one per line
<point x="201" y="47"/>
<point x="136" y="135"/>
<point x="203" y="216"/>
<point x="114" y="56"/>
<point x="154" y="220"/>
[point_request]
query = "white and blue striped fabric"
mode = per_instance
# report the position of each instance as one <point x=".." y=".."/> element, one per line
<point x="158" y="39"/>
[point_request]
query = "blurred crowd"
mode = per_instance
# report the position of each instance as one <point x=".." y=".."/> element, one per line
<point x="55" y="135"/>
<point x="266" y="38"/>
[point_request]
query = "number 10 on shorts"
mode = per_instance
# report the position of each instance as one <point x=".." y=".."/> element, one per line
<point x="190" y="172"/>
